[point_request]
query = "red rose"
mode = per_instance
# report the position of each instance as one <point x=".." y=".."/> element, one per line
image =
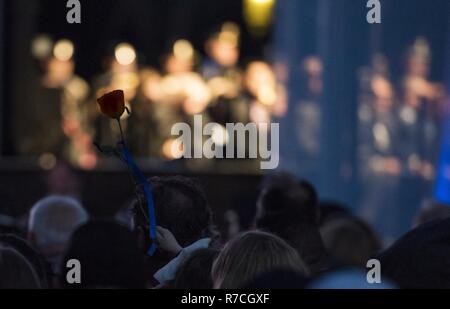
<point x="112" y="104"/>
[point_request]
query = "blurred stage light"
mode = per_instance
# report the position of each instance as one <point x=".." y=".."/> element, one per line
<point x="41" y="47"/>
<point x="47" y="161"/>
<point x="183" y="50"/>
<point x="63" y="50"/>
<point x="125" y="54"/>
<point x="258" y="15"/>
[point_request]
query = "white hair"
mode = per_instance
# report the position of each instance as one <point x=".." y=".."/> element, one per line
<point x="53" y="220"/>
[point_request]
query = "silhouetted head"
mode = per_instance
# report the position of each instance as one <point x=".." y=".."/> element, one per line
<point x="288" y="208"/>
<point x="109" y="257"/>
<point x="36" y="261"/>
<point x="16" y="272"/>
<point x="349" y="241"/>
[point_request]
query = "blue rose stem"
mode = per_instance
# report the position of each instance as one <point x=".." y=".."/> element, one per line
<point x="146" y="188"/>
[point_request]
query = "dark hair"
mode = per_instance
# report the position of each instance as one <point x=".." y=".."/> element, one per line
<point x="16" y="272"/>
<point x="195" y="271"/>
<point x="251" y="255"/>
<point x="108" y="254"/>
<point x="349" y="241"/>
<point x="181" y="207"/>
<point x="420" y="259"/>
<point x="21" y="246"/>
<point x="431" y="211"/>
<point x="288" y="208"/>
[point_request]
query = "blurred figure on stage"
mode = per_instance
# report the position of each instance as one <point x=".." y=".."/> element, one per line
<point x="221" y="72"/>
<point x="309" y="115"/>
<point x="184" y="94"/>
<point x="419" y="118"/>
<point x="57" y="126"/>
<point x="121" y="72"/>
<point x="144" y="133"/>
<point x="379" y="162"/>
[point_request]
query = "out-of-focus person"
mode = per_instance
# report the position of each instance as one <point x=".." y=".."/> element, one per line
<point x="251" y="255"/>
<point x="120" y="72"/>
<point x="288" y="208"/>
<point x="109" y="257"/>
<point x="378" y="153"/>
<point x="51" y="223"/>
<point x="16" y="272"/>
<point x="57" y="110"/>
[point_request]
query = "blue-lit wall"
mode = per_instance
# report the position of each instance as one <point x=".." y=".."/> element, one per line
<point x="443" y="181"/>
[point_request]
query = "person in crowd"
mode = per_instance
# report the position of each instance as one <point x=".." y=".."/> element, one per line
<point x="419" y="260"/>
<point x="251" y="255"/>
<point x="16" y="272"/>
<point x="195" y="271"/>
<point x="37" y="262"/>
<point x="109" y="256"/>
<point x="431" y="211"/>
<point x="52" y="221"/>
<point x="288" y="208"/>
<point x="185" y="224"/>
<point x="349" y="241"/>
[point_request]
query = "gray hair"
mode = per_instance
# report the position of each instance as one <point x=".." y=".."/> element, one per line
<point x="53" y="220"/>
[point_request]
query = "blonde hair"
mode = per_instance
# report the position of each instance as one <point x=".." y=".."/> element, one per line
<point x="250" y="255"/>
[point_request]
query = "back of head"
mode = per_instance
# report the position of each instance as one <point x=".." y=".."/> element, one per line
<point x="289" y="209"/>
<point x="108" y="254"/>
<point x="195" y="271"/>
<point x="16" y="272"/>
<point x="53" y="220"/>
<point x="251" y="255"/>
<point x="181" y="207"/>
<point x="283" y="194"/>
<point x="22" y="247"/>
<point x="349" y="241"/>
<point x="419" y="260"/>
<point x="431" y="211"/>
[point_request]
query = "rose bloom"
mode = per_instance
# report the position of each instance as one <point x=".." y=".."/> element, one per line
<point x="113" y="104"/>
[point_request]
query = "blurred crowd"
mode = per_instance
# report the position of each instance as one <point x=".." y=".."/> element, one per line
<point x="215" y="85"/>
<point x="295" y="242"/>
